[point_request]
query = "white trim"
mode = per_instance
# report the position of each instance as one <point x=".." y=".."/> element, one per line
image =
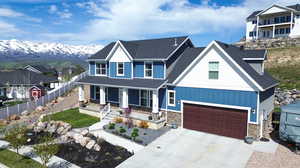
<point x="225" y="53"/>
<point x="100" y="69"/>
<point x="117" y="86"/>
<point x="253" y="59"/>
<point x="36" y="70"/>
<point x="114" y="48"/>
<point x="118" y="74"/>
<point x="165" y="69"/>
<point x="168" y="98"/>
<point x="148" y="62"/>
<point x="275" y="5"/>
<point x="166" y="109"/>
<point x="217" y="105"/>
<point x="257" y="108"/>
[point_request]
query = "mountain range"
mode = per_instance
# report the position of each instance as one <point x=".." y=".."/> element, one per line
<point x="17" y="50"/>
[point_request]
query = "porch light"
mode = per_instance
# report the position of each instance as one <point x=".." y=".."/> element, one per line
<point x="253" y="111"/>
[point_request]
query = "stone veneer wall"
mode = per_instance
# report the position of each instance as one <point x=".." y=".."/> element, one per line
<point x="253" y="130"/>
<point x="87" y="94"/>
<point x="174" y="118"/>
<point x="280" y="42"/>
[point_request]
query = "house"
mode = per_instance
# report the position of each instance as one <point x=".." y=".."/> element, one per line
<point x="41" y="69"/>
<point x="272" y="22"/>
<point x="220" y="88"/>
<point x="2" y="90"/>
<point x="16" y="84"/>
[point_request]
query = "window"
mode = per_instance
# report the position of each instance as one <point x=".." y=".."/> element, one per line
<point x="148" y="70"/>
<point x="288" y="30"/>
<point x="281" y="30"/>
<point x="254" y="21"/>
<point x="120" y="68"/>
<point x="213" y="70"/>
<point x="101" y="69"/>
<point x="171" y="98"/>
<point x="288" y="18"/>
<point x="146" y="98"/>
<point x="276" y="20"/>
<point x="252" y="34"/>
<point x="276" y="31"/>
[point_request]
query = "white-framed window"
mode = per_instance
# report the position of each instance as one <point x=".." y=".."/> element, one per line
<point x="101" y="69"/>
<point x="120" y="68"/>
<point x="171" y="98"/>
<point x="213" y="70"/>
<point x="146" y="98"/>
<point x="148" y="70"/>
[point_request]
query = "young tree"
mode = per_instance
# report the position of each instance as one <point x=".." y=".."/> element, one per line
<point x="16" y="137"/>
<point x="46" y="149"/>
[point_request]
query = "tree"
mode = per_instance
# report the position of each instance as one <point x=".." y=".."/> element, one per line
<point x="46" y="150"/>
<point x="16" y="137"/>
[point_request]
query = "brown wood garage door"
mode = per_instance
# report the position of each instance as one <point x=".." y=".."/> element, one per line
<point x="215" y="120"/>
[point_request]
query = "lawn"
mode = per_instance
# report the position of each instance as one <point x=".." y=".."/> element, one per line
<point x="13" y="160"/>
<point x="73" y="117"/>
<point x="12" y="103"/>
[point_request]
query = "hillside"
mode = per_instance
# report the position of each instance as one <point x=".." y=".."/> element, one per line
<point x="284" y="65"/>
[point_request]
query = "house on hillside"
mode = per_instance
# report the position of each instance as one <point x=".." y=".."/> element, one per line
<point x="220" y="88"/>
<point x="272" y="22"/>
<point x="17" y="84"/>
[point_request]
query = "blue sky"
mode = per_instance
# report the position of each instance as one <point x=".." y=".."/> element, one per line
<point x="102" y="21"/>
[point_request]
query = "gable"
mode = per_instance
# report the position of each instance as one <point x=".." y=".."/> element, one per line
<point x="230" y="77"/>
<point x="119" y="54"/>
<point x="274" y="9"/>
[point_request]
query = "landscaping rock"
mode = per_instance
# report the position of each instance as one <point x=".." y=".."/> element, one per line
<point x="84" y="141"/>
<point x="14" y="117"/>
<point x="84" y="132"/>
<point x="97" y="147"/>
<point x="4" y="122"/>
<point x="25" y="113"/>
<point x="39" y="109"/>
<point x="284" y="97"/>
<point x="90" y="145"/>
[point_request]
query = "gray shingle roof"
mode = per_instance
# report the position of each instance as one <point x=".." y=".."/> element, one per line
<point x="295" y="7"/>
<point x="24" y="77"/>
<point x="183" y="62"/>
<point x="118" y="82"/>
<point x="43" y="69"/>
<point x="145" y="49"/>
<point x="253" y="14"/>
<point x="264" y="80"/>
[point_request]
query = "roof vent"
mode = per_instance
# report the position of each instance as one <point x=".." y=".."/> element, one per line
<point x="175" y="42"/>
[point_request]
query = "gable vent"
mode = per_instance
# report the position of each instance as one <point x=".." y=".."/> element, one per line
<point x="175" y="42"/>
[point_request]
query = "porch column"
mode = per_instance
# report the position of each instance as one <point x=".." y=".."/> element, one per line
<point x="81" y="93"/>
<point x="257" y="24"/>
<point x="273" y="31"/>
<point x="102" y="95"/>
<point x="292" y="19"/>
<point x="125" y="98"/>
<point x="155" y="101"/>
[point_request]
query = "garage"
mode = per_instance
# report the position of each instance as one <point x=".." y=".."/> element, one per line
<point x="216" y="120"/>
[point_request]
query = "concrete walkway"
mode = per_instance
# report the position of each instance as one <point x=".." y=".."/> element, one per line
<point x="192" y="149"/>
<point x="55" y="162"/>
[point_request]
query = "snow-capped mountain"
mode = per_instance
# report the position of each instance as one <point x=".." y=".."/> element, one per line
<point x="17" y="49"/>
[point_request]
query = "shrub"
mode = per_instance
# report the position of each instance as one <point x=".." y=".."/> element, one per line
<point x="46" y="150"/>
<point x="135" y="130"/>
<point x="118" y="120"/>
<point x="134" y="133"/>
<point x="122" y="130"/>
<point x="16" y="137"/>
<point x="144" y="124"/>
<point x="111" y="126"/>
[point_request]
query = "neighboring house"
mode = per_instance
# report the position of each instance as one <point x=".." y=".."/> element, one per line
<point x="18" y="83"/>
<point x="2" y="90"/>
<point x="220" y="89"/>
<point x="41" y="69"/>
<point x="275" y="21"/>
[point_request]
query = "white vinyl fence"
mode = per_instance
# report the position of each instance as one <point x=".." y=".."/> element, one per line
<point x="42" y="101"/>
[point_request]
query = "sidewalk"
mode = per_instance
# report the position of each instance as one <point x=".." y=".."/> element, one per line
<point x="55" y="161"/>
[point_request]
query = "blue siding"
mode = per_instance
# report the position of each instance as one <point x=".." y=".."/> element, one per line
<point x="158" y="70"/>
<point x="113" y="70"/>
<point x="134" y="97"/>
<point x="162" y="98"/>
<point x="138" y="69"/>
<point x="217" y="96"/>
<point x="92" y="68"/>
<point x="113" y="94"/>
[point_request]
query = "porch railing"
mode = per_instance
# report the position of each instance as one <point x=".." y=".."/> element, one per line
<point x="105" y="111"/>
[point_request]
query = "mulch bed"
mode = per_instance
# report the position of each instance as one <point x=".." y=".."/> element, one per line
<point x="36" y="138"/>
<point x="109" y="157"/>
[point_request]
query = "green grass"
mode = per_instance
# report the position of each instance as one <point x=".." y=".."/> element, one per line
<point x="287" y="75"/>
<point x="73" y="117"/>
<point x="12" y="103"/>
<point x="13" y="160"/>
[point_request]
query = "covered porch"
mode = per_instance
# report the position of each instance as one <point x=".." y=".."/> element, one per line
<point x="139" y="99"/>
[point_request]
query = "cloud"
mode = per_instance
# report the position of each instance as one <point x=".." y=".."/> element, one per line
<point x="5" y="12"/>
<point x="127" y="19"/>
<point x="7" y="29"/>
<point x="65" y="14"/>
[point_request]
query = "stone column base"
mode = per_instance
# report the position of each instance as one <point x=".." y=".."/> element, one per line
<point x="254" y="130"/>
<point x="174" y="118"/>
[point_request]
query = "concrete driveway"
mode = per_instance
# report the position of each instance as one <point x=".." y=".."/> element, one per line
<point x="183" y="148"/>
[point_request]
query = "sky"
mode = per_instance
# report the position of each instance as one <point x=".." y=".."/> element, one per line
<point x="83" y="22"/>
